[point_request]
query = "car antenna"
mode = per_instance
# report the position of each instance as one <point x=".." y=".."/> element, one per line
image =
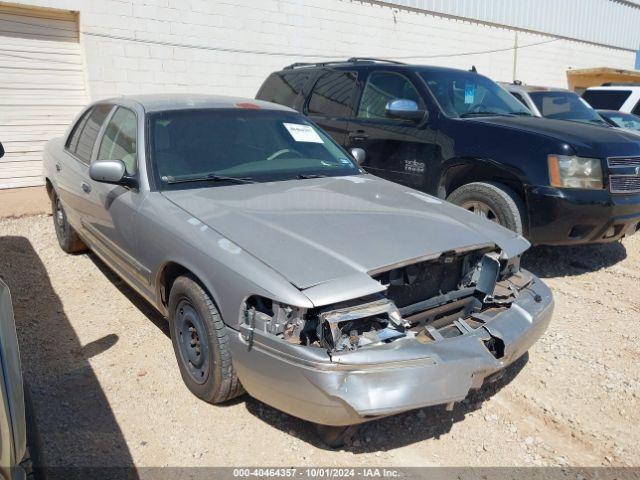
<point x="473" y="69"/>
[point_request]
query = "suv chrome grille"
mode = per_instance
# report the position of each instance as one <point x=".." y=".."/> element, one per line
<point x="624" y="183"/>
<point x="624" y="174"/>
<point x="624" y="162"/>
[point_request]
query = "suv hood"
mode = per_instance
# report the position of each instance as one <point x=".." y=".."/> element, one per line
<point x="588" y="140"/>
<point x="317" y="230"/>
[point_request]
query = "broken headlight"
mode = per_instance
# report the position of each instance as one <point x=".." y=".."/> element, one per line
<point x="350" y="327"/>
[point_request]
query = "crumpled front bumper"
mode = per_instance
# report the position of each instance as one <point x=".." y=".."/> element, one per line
<point x="405" y="374"/>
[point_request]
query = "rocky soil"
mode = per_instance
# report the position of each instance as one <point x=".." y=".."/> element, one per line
<point x="107" y="389"/>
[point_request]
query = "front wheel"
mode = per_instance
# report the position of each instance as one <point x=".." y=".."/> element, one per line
<point x="200" y="343"/>
<point x="493" y="201"/>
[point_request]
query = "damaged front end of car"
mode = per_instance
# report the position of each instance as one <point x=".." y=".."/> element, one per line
<point x="436" y="329"/>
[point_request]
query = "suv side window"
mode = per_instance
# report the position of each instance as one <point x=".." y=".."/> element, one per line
<point x="520" y="98"/>
<point x="381" y="88"/>
<point x="636" y="109"/>
<point x="332" y="94"/>
<point x="84" y="135"/>
<point x="119" y="141"/>
<point x="283" y="88"/>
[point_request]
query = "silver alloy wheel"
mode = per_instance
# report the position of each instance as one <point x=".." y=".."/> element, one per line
<point x="481" y="209"/>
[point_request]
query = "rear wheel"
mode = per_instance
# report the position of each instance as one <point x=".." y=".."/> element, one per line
<point x="200" y="343"/>
<point x="68" y="238"/>
<point x="493" y="201"/>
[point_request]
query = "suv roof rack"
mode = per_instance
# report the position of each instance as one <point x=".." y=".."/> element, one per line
<point x="339" y="62"/>
<point x="621" y="84"/>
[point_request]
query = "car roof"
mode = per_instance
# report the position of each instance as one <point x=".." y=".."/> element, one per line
<point x="185" y="101"/>
<point x="618" y="86"/>
<point x="370" y="64"/>
<point x="516" y="87"/>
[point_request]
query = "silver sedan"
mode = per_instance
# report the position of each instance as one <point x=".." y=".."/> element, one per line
<point x="283" y="268"/>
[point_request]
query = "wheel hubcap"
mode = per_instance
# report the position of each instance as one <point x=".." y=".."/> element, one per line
<point x="192" y="341"/>
<point x="59" y="214"/>
<point x="481" y="209"/>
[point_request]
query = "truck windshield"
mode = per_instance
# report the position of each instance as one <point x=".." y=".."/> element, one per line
<point x="467" y="94"/>
<point x="205" y="147"/>
<point x="565" y="106"/>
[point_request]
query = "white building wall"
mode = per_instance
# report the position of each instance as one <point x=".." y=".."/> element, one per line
<point x="179" y="43"/>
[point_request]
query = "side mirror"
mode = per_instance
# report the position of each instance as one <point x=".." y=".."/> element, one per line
<point x="404" y="109"/>
<point x="1" y="151"/>
<point x="359" y="155"/>
<point x="111" y="171"/>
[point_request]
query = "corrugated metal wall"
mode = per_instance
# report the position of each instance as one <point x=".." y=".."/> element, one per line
<point x="588" y="20"/>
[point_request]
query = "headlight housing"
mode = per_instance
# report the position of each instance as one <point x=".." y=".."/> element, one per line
<point x="575" y="172"/>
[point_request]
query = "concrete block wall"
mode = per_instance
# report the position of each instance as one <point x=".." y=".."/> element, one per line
<point x="137" y="46"/>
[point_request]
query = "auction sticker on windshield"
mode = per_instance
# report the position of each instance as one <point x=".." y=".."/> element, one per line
<point x="303" y="133"/>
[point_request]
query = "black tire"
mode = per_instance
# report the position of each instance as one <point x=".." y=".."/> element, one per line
<point x="504" y="205"/>
<point x="336" y="437"/>
<point x="67" y="237"/>
<point x="200" y="343"/>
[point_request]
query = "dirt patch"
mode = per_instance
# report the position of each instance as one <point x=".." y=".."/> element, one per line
<point x="108" y="391"/>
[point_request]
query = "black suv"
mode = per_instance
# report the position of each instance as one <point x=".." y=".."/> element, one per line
<point x="459" y="135"/>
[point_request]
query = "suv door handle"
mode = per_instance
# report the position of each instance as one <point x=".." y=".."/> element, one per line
<point x="86" y="188"/>
<point x="58" y="167"/>
<point x="358" y="136"/>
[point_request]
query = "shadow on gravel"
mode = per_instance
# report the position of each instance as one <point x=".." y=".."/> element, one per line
<point x="549" y="262"/>
<point x="77" y="426"/>
<point x="138" y="301"/>
<point x="395" y="431"/>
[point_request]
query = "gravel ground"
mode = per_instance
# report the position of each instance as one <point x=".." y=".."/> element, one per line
<point x="108" y="392"/>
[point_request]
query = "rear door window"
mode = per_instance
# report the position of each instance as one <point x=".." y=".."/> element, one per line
<point x="84" y="136"/>
<point x="333" y="95"/>
<point x="636" y="109"/>
<point x="606" y="99"/>
<point x="381" y="88"/>
<point x="283" y="88"/>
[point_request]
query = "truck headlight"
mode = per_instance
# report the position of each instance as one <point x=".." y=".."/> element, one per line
<point x="575" y="172"/>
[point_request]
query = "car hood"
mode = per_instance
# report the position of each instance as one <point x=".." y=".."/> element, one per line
<point x="317" y="230"/>
<point x="587" y="140"/>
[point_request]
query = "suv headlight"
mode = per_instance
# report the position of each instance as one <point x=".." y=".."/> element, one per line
<point x="575" y="172"/>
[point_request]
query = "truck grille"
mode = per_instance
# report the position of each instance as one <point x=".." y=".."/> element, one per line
<point x="624" y="183"/>
<point x="624" y="162"/>
<point x="624" y="174"/>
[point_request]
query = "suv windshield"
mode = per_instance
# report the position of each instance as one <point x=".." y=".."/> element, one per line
<point x="198" y="147"/>
<point x="565" y="106"/>
<point x="623" y="120"/>
<point x="467" y="94"/>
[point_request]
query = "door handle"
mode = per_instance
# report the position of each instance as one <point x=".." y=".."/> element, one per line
<point x="358" y="135"/>
<point x="86" y="188"/>
<point x="58" y="167"/>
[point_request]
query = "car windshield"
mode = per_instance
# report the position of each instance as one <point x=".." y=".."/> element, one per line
<point x="623" y="120"/>
<point x="565" y="106"/>
<point x="198" y="147"/>
<point x="467" y="94"/>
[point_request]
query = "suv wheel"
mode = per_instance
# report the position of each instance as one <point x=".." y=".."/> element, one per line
<point x="493" y="201"/>
<point x="68" y="238"/>
<point x="200" y="343"/>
